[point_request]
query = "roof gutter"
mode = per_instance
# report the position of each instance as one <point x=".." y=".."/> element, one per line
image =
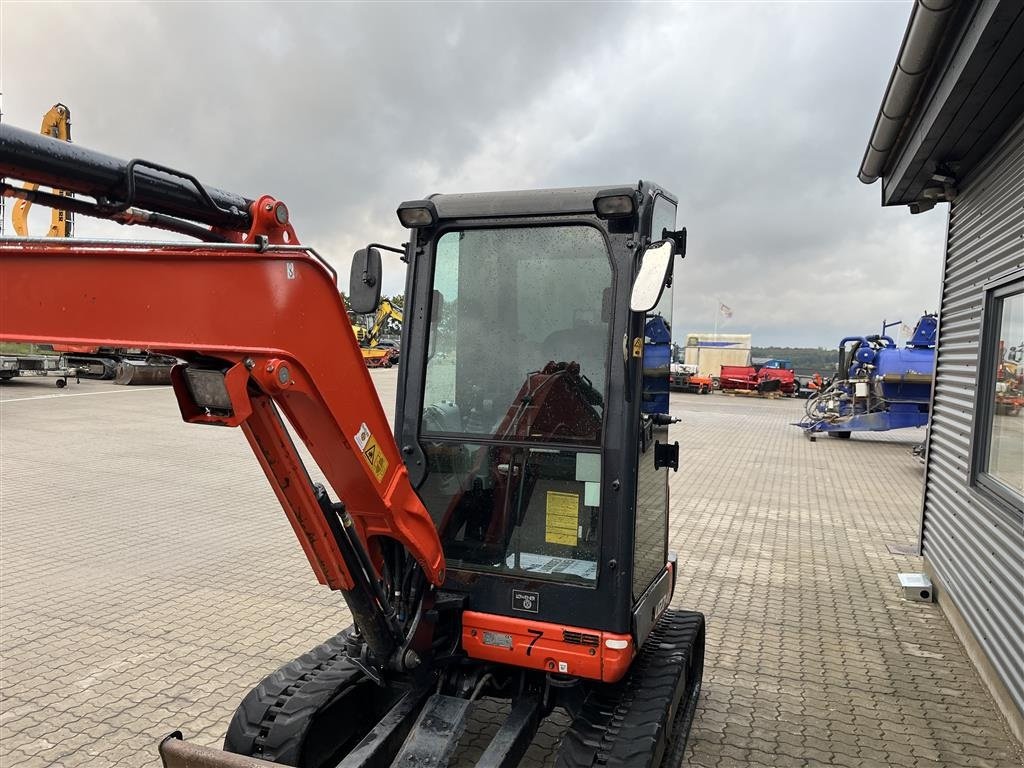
<point x="928" y="21"/>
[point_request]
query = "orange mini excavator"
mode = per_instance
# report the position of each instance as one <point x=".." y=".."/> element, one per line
<point x="510" y="540"/>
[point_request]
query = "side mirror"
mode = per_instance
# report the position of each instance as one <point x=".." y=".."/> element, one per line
<point x="364" y="281"/>
<point x="650" y="280"/>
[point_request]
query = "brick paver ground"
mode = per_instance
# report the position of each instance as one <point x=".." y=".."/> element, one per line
<point x="148" y="579"/>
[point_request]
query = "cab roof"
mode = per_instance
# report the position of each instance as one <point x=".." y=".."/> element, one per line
<point x="530" y="202"/>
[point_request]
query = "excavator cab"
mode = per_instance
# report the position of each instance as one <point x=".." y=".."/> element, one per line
<point x="510" y="541"/>
<point x="533" y="418"/>
<point x="527" y="416"/>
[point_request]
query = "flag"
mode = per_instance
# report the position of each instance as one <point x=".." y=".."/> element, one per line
<point x="726" y="311"/>
<point x="907" y="331"/>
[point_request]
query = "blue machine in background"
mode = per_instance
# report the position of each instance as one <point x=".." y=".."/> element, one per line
<point x="657" y="365"/>
<point x="879" y="386"/>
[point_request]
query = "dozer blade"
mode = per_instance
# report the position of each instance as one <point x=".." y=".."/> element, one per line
<point x="177" y="753"/>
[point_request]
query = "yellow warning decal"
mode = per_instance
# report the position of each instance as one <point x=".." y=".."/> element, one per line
<point x="638" y="347"/>
<point x="375" y="458"/>
<point x="563" y="516"/>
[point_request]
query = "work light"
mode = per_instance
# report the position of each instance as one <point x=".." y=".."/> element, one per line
<point x="615" y="203"/>
<point x="208" y="389"/>
<point x="415" y="214"/>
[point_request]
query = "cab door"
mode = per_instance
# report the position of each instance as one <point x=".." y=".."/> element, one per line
<point x="650" y="547"/>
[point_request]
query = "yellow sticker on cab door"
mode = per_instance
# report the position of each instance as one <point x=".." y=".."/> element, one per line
<point x="375" y="458"/>
<point x="563" y="515"/>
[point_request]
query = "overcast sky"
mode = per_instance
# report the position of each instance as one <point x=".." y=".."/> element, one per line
<point x="755" y="114"/>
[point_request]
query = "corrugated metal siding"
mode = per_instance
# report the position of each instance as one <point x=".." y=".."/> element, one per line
<point x="975" y="546"/>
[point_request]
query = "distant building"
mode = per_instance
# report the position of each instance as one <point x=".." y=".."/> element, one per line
<point x="951" y="129"/>
<point x="710" y="351"/>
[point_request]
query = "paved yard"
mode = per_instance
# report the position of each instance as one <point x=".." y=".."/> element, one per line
<point x="148" y="579"/>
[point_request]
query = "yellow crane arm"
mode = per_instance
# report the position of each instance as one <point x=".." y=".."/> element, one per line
<point x="384" y="311"/>
<point x="56" y="123"/>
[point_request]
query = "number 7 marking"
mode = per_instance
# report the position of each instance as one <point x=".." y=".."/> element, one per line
<point x="537" y="636"/>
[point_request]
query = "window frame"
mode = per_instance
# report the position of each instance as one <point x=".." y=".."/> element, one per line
<point x="989" y="485"/>
<point x="600" y="582"/>
<point x="545" y="223"/>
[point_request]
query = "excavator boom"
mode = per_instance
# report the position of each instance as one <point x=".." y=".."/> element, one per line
<point x="221" y="307"/>
<point x="263" y="331"/>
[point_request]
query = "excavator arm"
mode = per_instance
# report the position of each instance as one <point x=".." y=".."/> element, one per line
<point x="263" y="332"/>
<point x="384" y="311"/>
<point x="56" y="123"/>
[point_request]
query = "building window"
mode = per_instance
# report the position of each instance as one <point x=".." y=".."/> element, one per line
<point x="999" y="456"/>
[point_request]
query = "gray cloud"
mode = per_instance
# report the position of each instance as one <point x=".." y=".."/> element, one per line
<point x="756" y="115"/>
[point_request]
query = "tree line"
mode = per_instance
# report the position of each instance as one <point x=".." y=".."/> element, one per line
<point x="810" y="358"/>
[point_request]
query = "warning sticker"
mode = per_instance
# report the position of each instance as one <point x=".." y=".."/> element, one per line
<point x="563" y="515"/>
<point x="362" y="436"/>
<point x="372" y="452"/>
<point x="638" y="347"/>
<point x="374" y="457"/>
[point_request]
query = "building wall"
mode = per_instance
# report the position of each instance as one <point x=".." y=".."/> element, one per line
<point x="972" y="545"/>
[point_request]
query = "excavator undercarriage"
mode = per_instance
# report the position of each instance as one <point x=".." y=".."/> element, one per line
<point x="508" y="541"/>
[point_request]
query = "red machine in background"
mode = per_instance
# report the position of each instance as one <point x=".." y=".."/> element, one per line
<point x="766" y="378"/>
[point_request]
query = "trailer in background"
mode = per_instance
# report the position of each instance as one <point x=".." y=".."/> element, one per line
<point x="710" y="351"/>
<point x="19" y="366"/>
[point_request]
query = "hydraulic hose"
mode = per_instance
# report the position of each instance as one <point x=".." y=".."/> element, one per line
<point x="116" y="184"/>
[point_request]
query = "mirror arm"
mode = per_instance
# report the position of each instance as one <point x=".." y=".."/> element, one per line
<point x="391" y="248"/>
<point x="380" y="247"/>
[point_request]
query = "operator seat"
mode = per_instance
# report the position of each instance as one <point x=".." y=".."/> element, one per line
<point x="585" y="344"/>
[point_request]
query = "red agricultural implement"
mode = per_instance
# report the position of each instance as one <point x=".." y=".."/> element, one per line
<point x="746" y="378"/>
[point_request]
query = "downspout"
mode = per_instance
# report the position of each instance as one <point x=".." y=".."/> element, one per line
<point x="928" y="21"/>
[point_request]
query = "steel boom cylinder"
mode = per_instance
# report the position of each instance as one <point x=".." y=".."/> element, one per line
<point x="38" y="159"/>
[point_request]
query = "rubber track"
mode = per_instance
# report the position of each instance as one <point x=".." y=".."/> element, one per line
<point x="272" y="721"/>
<point x="623" y="724"/>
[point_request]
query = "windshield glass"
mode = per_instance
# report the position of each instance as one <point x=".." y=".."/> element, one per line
<point x="519" y="335"/>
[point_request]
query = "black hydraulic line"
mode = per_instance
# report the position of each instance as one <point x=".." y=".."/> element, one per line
<point x="364" y="599"/>
<point x="117" y="184"/>
<point x="127" y="216"/>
